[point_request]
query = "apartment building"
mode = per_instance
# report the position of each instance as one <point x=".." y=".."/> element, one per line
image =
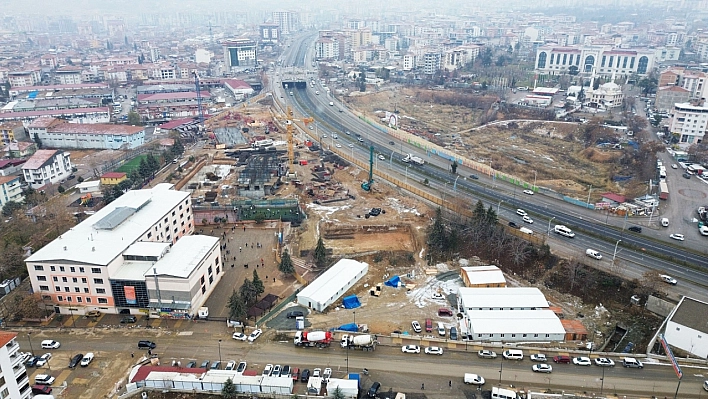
<point x="134" y="255"/>
<point x="239" y="53"/>
<point x="24" y="78"/>
<point x="68" y="76"/>
<point x="689" y="121"/>
<point x="10" y="190"/>
<point x="47" y="167"/>
<point x="14" y="379"/>
<point x="286" y="21"/>
<point x="12" y="131"/>
<point x="59" y="134"/>
<point x="326" y="48"/>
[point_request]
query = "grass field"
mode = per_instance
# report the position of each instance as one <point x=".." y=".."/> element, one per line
<point x="132" y="164"/>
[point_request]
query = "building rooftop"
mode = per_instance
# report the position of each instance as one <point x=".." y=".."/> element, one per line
<point x="7" y="179"/>
<point x="113" y="175"/>
<point x="328" y="283"/>
<point x="502" y="297"/>
<point x="692" y="313"/>
<point x="43" y="122"/>
<point x="184" y="256"/>
<point x="180" y="95"/>
<point x="95" y="128"/>
<point x="6" y="337"/>
<point x="51" y="112"/>
<point x="484" y="275"/>
<point x="515" y="322"/>
<point x="237" y="84"/>
<point x="101" y="238"/>
<point x="39" y="159"/>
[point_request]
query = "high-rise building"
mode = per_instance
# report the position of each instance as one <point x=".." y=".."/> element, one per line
<point x="286" y="20"/>
<point x="14" y="380"/>
<point x="239" y="53"/>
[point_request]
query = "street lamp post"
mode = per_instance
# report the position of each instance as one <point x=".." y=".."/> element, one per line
<point x="602" y="381"/>
<point x="549" y="226"/>
<point x="498" y="205"/>
<point x="71" y="312"/>
<point x="534" y="179"/>
<point x="501" y="366"/>
<point x="406" y="174"/>
<point x="29" y="337"/>
<point x="614" y="255"/>
<point x="219" y="351"/>
<point x="587" y="204"/>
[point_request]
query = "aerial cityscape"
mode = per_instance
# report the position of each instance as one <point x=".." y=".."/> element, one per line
<point x="354" y="200"/>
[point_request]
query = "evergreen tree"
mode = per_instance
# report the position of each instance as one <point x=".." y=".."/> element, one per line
<point x="144" y="169"/>
<point x="134" y="118"/>
<point x="248" y="292"/>
<point x="491" y="217"/>
<point x="229" y="389"/>
<point x="152" y="163"/>
<point x="437" y="236"/>
<point x="320" y="253"/>
<point x="286" y="264"/>
<point x="237" y="309"/>
<point x="257" y="283"/>
<point x="478" y="213"/>
<point x="337" y="393"/>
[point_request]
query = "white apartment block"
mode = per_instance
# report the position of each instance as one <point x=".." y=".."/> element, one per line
<point x="14" y="379"/>
<point x="602" y="60"/>
<point x="286" y="21"/>
<point x="130" y="257"/>
<point x="47" y="167"/>
<point x="459" y="57"/>
<point x="68" y="77"/>
<point x="24" y="78"/>
<point x="326" y="49"/>
<point x="239" y="53"/>
<point x="702" y="49"/>
<point x="689" y="121"/>
<point x="408" y="61"/>
<point x="695" y="82"/>
<point x="431" y="63"/>
<point x="10" y="190"/>
<point x="55" y="133"/>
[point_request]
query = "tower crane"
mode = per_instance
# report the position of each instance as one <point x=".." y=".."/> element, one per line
<point x="289" y="130"/>
<point x="199" y="98"/>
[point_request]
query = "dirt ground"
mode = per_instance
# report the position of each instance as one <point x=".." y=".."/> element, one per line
<point x="549" y="149"/>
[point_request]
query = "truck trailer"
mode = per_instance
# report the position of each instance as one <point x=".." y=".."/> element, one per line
<point x="364" y="342"/>
<point x="414" y="159"/>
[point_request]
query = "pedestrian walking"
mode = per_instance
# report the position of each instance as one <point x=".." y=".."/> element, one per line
<point x="239" y="249"/>
<point x="132" y="354"/>
<point x="449" y="384"/>
<point x="422" y="386"/>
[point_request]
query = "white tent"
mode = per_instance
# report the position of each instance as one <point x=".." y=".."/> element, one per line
<point x="332" y="284"/>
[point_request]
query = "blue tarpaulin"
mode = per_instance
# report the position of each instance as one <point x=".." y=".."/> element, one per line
<point x="348" y="327"/>
<point x="394" y="282"/>
<point x="351" y="302"/>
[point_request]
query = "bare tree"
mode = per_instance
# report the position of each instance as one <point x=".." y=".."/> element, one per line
<point x="573" y="268"/>
<point x="519" y="251"/>
<point x="649" y="284"/>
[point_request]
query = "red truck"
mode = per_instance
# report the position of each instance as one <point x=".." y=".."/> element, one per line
<point x="320" y="339"/>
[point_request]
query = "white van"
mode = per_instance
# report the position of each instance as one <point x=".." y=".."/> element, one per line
<point x="513" y="354"/>
<point x="43" y="379"/>
<point x="593" y="254"/>
<point x="632" y="362"/>
<point x="564" y="231"/>
<point x="501" y="393"/>
<point x="441" y="329"/>
<point x="665" y="222"/>
<point x="526" y="230"/>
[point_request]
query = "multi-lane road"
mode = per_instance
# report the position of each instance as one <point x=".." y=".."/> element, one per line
<point x="635" y="253"/>
<point x="388" y="365"/>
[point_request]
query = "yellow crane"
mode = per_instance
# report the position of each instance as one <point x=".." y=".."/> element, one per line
<point x="289" y="129"/>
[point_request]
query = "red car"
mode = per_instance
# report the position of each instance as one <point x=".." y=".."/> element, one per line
<point x="561" y="359"/>
<point x="444" y="312"/>
<point x="41" y="389"/>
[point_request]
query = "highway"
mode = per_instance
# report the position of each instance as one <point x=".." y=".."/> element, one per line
<point x="634" y="252"/>
<point x="400" y="371"/>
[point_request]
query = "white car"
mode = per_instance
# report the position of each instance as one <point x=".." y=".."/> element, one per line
<point x="416" y="326"/>
<point x="327" y="373"/>
<point x="254" y="335"/>
<point x="50" y="344"/>
<point x="542" y="368"/>
<point x="316" y="372"/>
<point x="310" y="127"/>
<point x="230" y="365"/>
<point x="87" y="359"/>
<point x="410" y="349"/>
<point x="474" y="379"/>
<point x="338" y="145"/>
<point x="527" y="219"/>
<point x="538" y="357"/>
<point x="668" y="279"/>
<point x="351" y="145"/>
<point x="529" y="192"/>
<point x="438" y="296"/>
<point x="582" y="361"/>
<point x="674" y="166"/>
<point x="521" y="212"/>
<point x="433" y="350"/>
<point x="239" y="336"/>
<point x="381" y="157"/>
<point x="43" y="360"/>
<point x="604" y="362"/>
<point x="267" y="370"/>
<point x="324" y="136"/>
<point x="677" y="236"/>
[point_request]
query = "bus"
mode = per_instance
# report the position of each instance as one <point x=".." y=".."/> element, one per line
<point x="663" y="190"/>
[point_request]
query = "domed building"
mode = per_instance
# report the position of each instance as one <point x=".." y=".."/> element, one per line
<point x="607" y="96"/>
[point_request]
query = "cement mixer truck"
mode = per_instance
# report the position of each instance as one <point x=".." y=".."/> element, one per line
<point x="364" y="342"/>
<point x="320" y="339"/>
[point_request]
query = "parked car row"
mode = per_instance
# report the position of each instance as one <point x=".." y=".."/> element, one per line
<point x="430" y="350"/>
<point x="440" y="327"/>
<point x="541" y="367"/>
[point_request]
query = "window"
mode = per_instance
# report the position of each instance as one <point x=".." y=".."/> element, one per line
<point x="551" y="61"/>
<point x="66" y="289"/>
<point x="602" y="63"/>
<point x="542" y="59"/>
<point x="98" y="281"/>
<point x="81" y="270"/>
<point x="217" y="270"/>
<point x="209" y="270"/>
<point x="64" y="280"/>
<point x="570" y="60"/>
<point x="643" y="65"/>
<point x="60" y="298"/>
<point x="55" y="278"/>
<point x="78" y="299"/>
<point x="631" y="63"/>
<point x="88" y="299"/>
<point x="149" y="235"/>
<point x="57" y="288"/>
<point x="41" y="278"/>
<point x="84" y="280"/>
<point x="86" y="290"/>
<point x="612" y="58"/>
<point x="61" y="268"/>
<point x="52" y="268"/>
<point x="211" y="279"/>
<point x="100" y="290"/>
<point x="77" y="289"/>
<point x="624" y="64"/>
<point x="74" y="280"/>
<point x="565" y="58"/>
<point x="548" y="335"/>
<point x="524" y="335"/>
<point x="44" y="288"/>
<point x="102" y="300"/>
<point x="217" y="261"/>
<point x="513" y="335"/>
<point x="68" y="299"/>
<point x="203" y="280"/>
<point x="203" y="290"/>
<point x="96" y="270"/>
<point x="39" y="268"/>
<point x="72" y="269"/>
